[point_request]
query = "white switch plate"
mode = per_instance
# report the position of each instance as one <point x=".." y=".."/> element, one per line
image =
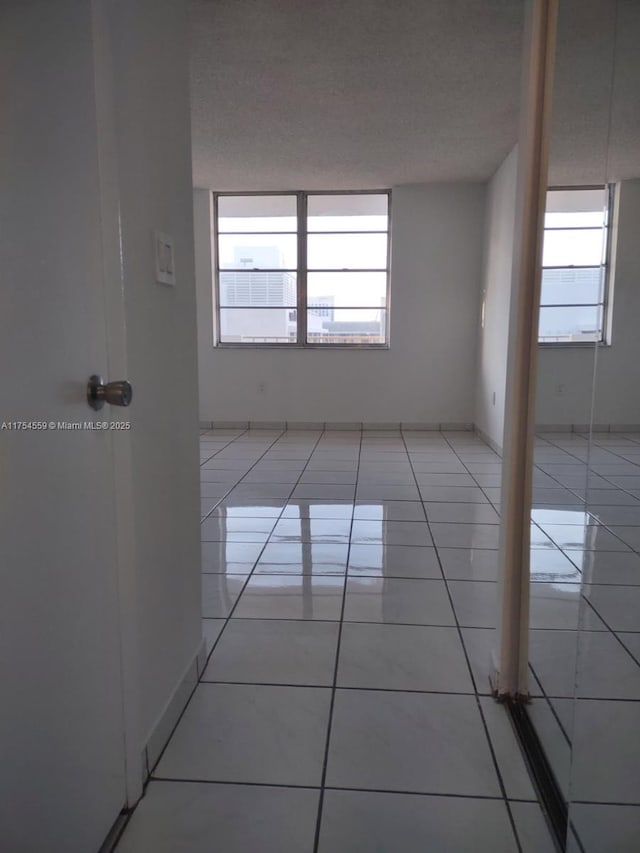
<point x="163" y="251"/>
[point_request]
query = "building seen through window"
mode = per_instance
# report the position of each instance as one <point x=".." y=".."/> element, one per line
<point x="303" y="269"/>
<point x="575" y="292"/>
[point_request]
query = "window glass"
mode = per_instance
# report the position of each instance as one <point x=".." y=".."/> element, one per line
<point x="262" y="279"/>
<point x="574" y="260"/>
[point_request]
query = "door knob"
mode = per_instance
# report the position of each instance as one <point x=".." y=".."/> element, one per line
<point x="117" y="393"/>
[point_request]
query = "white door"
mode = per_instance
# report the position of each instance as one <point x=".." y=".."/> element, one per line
<point x="62" y="758"/>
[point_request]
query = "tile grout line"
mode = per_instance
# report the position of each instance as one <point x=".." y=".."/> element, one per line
<point x="578" y="630"/>
<point x="610" y="630"/>
<point x="191" y="694"/>
<point x="248" y="471"/>
<point x="228" y="617"/>
<point x="582" y="462"/>
<point x="589" y="470"/>
<point x="477" y="696"/>
<point x="224" y="446"/>
<point x="347" y="575"/>
<point x="324" y="686"/>
<point x="316" y="840"/>
<point x="229" y="443"/>
<point x="341" y="621"/>
<point x="553" y="710"/>
<point x="406" y="624"/>
<point x="393" y="791"/>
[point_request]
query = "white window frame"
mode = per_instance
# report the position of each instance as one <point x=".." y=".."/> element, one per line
<point x="301" y="273"/>
<point x="606" y="267"/>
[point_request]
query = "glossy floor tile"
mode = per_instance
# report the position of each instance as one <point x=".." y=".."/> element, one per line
<point x="469" y="564"/>
<point x="211" y="629"/>
<point x="463" y="535"/>
<point x="391" y="533"/>
<point x="480" y="645"/>
<point x="414" y="602"/>
<point x="345" y="705"/>
<point x="220" y="593"/>
<point x="250" y="733"/>
<point x="560" y="605"/>
<point x="531" y="828"/>
<point x="403" y="657"/>
<point x="618" y="606"/>
<point x="605" y="828"/>
<point x="275" y="652"/>
<point x="606" y="752"/>
<point x="453" y="494"/>
<point x="424" y="742"/>
<point x="475" y="603"/>
<point x="590" y="537"/>
<point x="316" y="530"/>
<point x="589" y="664"/>
<point x="191" y="817"/>
<point x="364" y="821"/>
<point x="461" y="512"/>
<point x="387" y="493"/>
<point x="297" y="558"/>
<point x="554" y="566"/>
<point x="388" y="561"/>
<point x="320" y="508"/>
<point x="230" y="557"/>
<point x="607" y="567"/>
<point x="384" y="510"/>
<point x="584" y="645"/>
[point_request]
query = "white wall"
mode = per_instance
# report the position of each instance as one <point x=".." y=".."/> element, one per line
<point x="565" y="375"/>
<point x="496" y="298"/>
<point x="154" y="160"/>
<point x="436" y="262"/>
<point x="83" y="127"/>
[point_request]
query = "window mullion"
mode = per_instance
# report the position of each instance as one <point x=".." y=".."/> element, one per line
<point x="302" y="269"/>
<point x="606" y="319"/>
<point x="217" y="316"/>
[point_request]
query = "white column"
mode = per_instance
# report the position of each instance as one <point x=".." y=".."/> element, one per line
<point x="535" y="105"/>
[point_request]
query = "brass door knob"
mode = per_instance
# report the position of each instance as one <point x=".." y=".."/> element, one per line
<point x="117" y="393"/>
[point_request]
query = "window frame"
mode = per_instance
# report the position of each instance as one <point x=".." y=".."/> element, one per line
<point x="301" y="273"/>
<point x="606" y="266"/>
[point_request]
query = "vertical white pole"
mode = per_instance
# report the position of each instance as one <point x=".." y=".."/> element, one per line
<point x="535" y="118"/>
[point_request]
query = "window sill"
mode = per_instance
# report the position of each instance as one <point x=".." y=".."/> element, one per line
<point x="574" y="345"/>
<point x="298" y="347"/>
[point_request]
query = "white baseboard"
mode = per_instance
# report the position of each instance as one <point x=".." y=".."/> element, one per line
<point x="167" y="720"/>
<point x="488" y="440"/>
<point x="350" y="426"/>
<point x="584" y="428"/>
<point x="408" y="426"/>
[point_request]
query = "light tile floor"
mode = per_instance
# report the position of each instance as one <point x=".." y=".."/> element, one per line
<point x="587" y="711"/>
<point x="349" y="606"/>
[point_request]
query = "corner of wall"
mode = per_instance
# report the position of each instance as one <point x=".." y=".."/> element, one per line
<point x="495" y="300"/>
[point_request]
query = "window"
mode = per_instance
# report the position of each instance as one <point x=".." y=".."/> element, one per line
<point x="302" y="269"/>
<point x="575" y="266"/>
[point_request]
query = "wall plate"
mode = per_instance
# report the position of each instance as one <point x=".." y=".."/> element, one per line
<point x="164" y="258"/>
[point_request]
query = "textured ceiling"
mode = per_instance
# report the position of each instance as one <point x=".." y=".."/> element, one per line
<point x="311" y="94"/>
